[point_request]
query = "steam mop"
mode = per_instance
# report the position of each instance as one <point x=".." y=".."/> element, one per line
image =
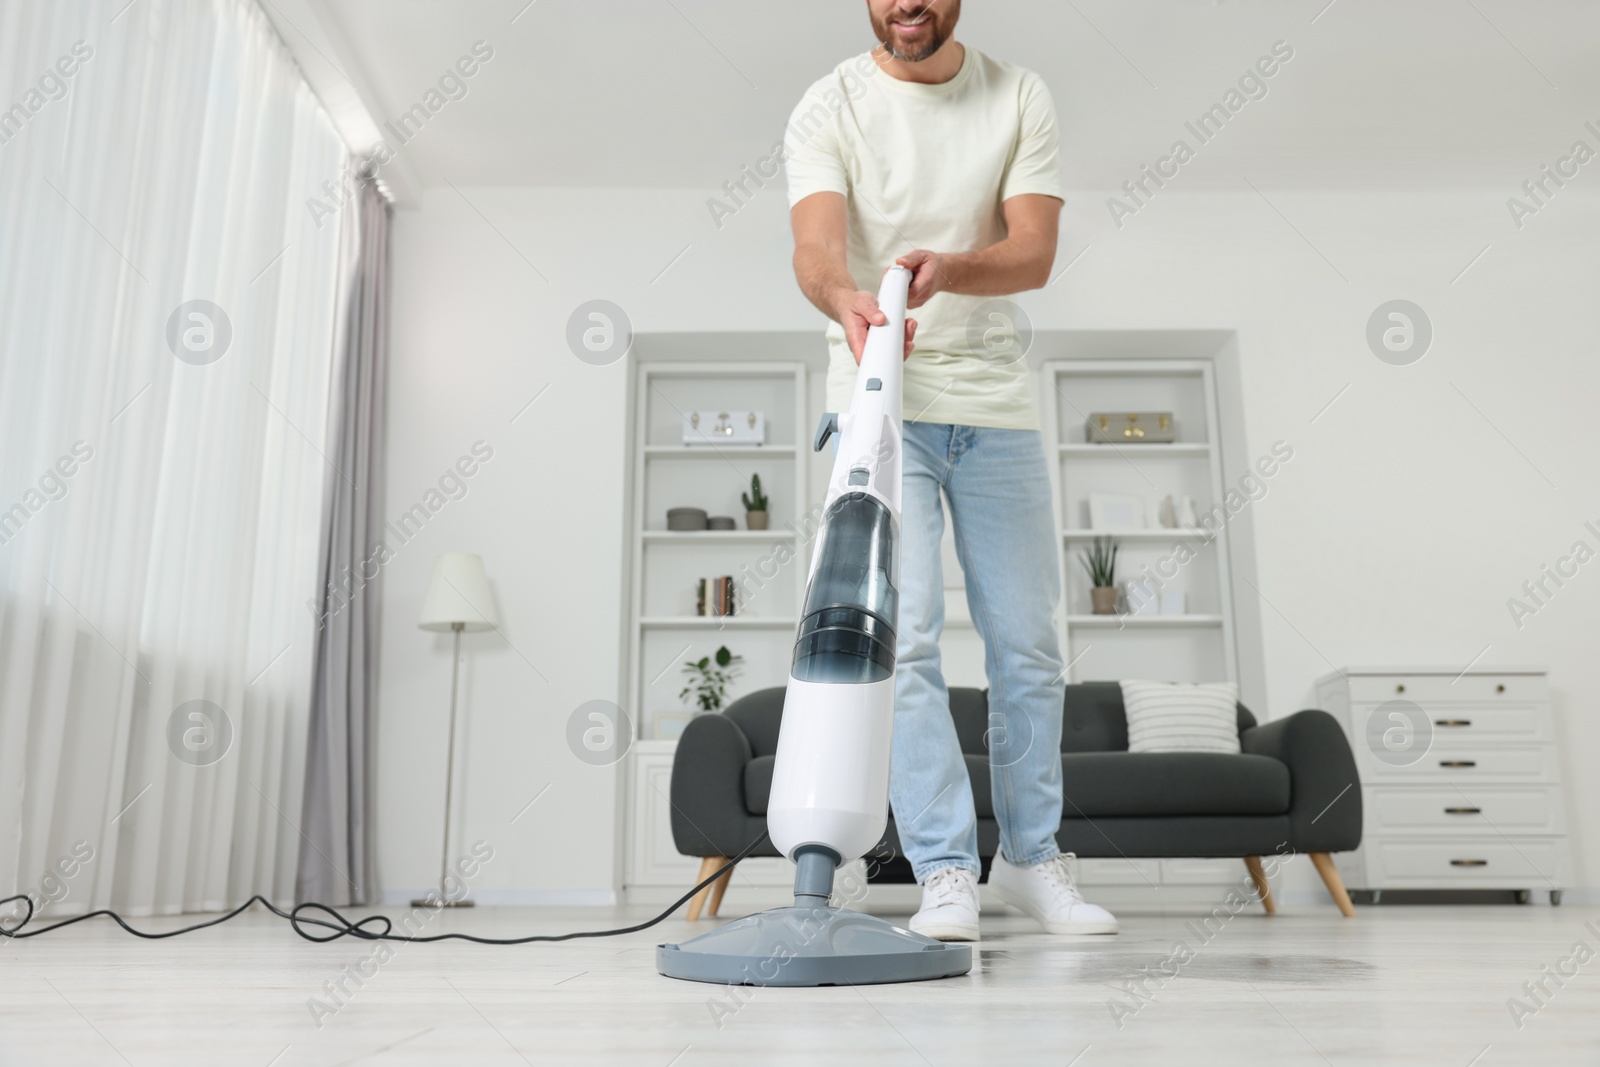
<point x="830" y="786"/>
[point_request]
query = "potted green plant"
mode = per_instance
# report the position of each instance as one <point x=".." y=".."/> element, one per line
<point x="709" y="677"/>
<point x="755" y="505"/>
<point x="1100" y="560"/>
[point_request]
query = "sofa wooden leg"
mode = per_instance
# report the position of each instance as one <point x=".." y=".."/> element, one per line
<point x="719" y="887"/>
<point x="1335" y="884"/>
<point x="708" y="867"/>
<point x="1263" y="887"/>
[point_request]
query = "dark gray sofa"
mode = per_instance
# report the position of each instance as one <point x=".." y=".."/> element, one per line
<point x="1292" y="789"/>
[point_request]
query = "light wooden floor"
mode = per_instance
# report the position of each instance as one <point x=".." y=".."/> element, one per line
<point x="1397" y="985"/>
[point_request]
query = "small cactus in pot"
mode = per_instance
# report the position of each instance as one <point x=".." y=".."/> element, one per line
<point x="755" y="505"/>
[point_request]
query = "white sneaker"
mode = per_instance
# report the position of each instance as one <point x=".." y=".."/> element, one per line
<point x="1047" y="892"/>
<point x="949" y="909"/>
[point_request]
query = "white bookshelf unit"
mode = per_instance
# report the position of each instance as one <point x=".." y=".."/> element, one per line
<point x="1199" y="644"/>
<point x="666" y="565"/>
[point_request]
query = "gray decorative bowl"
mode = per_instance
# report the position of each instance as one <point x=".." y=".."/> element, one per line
<point x="686" y="519"/>
<point x="721" y="522"/>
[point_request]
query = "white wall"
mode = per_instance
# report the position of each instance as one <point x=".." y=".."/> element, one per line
<point x="1413" y="508"/>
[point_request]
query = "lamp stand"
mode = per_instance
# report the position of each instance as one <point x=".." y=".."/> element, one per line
<point x="443" y="899"/>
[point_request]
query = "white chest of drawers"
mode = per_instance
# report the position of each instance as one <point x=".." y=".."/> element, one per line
<point x="1460" y="781"/>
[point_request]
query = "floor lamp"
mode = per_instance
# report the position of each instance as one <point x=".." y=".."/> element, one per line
<point x="458" y="600"/>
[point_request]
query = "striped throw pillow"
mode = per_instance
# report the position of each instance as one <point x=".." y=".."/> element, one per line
<point x="1169" y="717"/>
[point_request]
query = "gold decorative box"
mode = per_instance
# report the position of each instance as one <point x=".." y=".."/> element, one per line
<point x="1131" y="428"/>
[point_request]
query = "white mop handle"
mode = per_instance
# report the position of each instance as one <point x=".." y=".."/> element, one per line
<point x="887" y="342"/>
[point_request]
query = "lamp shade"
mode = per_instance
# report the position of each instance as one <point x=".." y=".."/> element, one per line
<point x="459" y="594"/>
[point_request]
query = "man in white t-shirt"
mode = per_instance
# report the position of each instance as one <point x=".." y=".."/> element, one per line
<point x="932" y="155"/>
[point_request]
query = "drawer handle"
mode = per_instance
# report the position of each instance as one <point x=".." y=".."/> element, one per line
<point x="1469" y="863"/>
<point x="1458" y="763"/>
<point x="1501" y="688"/>
<point x="1452" y="722"/>
<point x="1400" y="689"/>
<point x="1463" y="811"/>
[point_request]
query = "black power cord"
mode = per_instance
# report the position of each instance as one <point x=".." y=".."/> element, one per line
<point x="342" y="927"/>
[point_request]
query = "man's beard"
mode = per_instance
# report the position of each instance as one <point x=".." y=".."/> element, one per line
<point x="940" y="24"/>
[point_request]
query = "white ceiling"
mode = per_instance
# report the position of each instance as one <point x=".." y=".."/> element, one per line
<point x="679" y="93"/>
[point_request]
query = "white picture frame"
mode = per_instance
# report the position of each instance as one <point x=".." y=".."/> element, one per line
<point x="1116" y="511"/>
<point x="669" y="725"/>
<point x="1142" y="596"/>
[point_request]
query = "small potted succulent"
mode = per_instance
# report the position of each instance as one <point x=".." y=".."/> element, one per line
<point x="709" y="678"/>
<point x="1100" y="560"/>
<point x="755" y="505"/>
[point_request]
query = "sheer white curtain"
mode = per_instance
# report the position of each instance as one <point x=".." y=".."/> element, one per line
<point x="160" y="494"/>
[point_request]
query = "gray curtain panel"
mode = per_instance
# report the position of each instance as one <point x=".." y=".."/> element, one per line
<point x="336" y="842"/>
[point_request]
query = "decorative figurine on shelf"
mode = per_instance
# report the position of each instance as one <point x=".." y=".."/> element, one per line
<point x="755" y="505"/>
<point x="709" y="678"/>
<point x="1100" y="560"/>
<point x="1169" y="513"/>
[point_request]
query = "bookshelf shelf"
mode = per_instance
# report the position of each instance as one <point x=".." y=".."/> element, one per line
<point x="1198" y="645"/>
<point x="666" y="565"/>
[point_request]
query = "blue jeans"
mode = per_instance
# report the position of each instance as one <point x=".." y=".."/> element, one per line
<point x="1005" y="535"/>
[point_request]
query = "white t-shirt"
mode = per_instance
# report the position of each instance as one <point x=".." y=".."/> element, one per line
<point x="928" y="166"/>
